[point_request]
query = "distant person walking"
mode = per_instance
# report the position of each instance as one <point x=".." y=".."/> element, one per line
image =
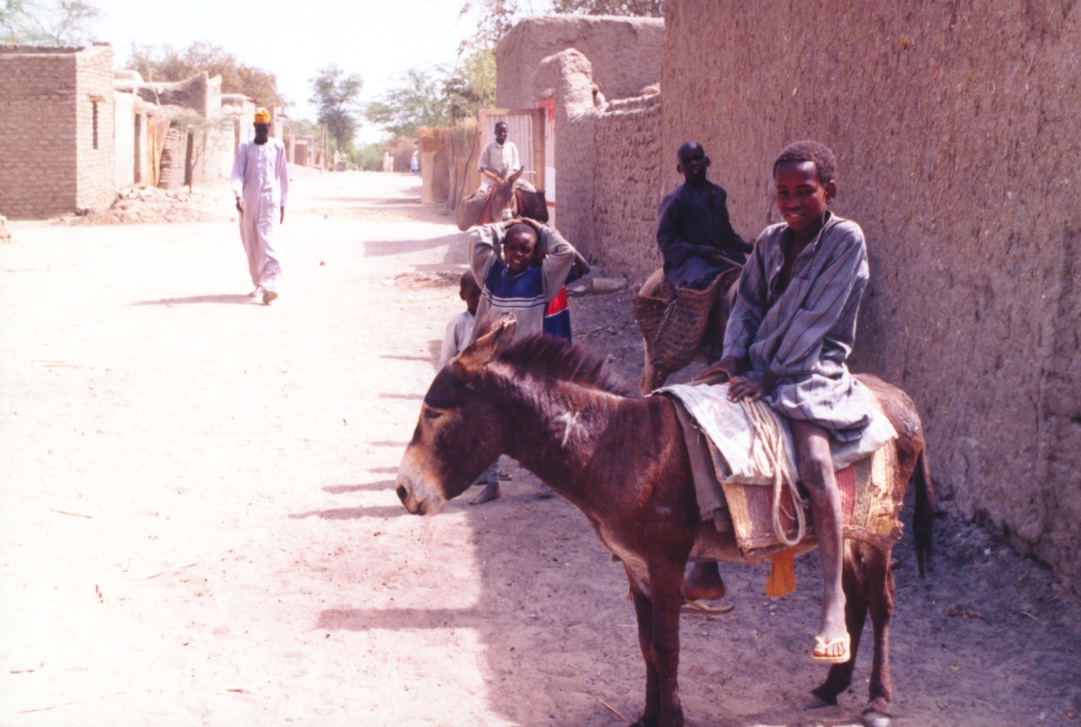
<point x="260" y="183"/>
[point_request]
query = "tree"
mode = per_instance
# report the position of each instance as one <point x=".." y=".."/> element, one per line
<point x="470" y="85"/>
<point x="335" y="96"/>
<point x="168" y="64"/>
<point x="47" y="22"/>
<point x="418" y="102"/>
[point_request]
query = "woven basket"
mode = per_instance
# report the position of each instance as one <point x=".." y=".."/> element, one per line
<point x="673" y="320"/>
<point x="471" y="208"/>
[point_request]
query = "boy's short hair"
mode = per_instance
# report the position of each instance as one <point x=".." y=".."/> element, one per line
<point x="810" y="151"/>
<point x="467" y="281"/>
<point x="522" y="227"/>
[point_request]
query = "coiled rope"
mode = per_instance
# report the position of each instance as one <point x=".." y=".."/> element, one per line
<point x="765" y="426"/>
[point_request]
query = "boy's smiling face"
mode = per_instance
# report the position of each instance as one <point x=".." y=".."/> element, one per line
<point x="518" y="251"/>
<point x="802" y="199"/>
<point x="500" y="133"/>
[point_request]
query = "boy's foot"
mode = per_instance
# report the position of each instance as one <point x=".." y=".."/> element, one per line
<point x="703" y="582"/>
<point x="268" y="296"/>
<point x="490" y="492"/>
<point x="255" y="293"/>
<point x="832" y="652"/>
<point x="504" y="474"/>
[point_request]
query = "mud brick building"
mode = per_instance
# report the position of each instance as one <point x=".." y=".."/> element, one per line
<point x="56" y="129"/>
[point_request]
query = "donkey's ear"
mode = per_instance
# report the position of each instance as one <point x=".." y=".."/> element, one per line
<point x="490" y="344"/>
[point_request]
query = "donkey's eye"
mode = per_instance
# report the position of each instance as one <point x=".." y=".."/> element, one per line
<point x="431" y="414"/>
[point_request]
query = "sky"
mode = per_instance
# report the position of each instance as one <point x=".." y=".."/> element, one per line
<point x="378" y="39"/>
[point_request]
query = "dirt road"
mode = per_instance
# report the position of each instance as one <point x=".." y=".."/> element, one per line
<point x="198" y="524"/>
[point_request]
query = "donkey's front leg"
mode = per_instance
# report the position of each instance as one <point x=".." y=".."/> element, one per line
<point x="666" y="596"/>
<point x="643" y="609"/>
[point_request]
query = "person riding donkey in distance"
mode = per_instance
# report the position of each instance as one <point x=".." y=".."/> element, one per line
<point x="499" y="159"/>
<point x="788" y="338"/>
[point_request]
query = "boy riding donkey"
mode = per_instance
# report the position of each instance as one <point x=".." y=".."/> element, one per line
<point x="502" y="193"/>
<point x="789" y="335"/>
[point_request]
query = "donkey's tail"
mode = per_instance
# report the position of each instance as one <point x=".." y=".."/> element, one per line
<point x="924" y="516"/>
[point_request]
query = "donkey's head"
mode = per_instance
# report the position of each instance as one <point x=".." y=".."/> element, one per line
<point x="457" y="436"/>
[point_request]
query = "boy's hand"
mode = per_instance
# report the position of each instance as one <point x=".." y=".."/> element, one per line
<point x="741" y="387"/>
<point x="526" y="221"/>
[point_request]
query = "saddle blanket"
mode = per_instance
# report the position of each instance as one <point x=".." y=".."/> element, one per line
<point x="744" y="458"/>
<point x="734" y="474"/>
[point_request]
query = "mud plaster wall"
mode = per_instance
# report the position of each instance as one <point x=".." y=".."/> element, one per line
<point x="625" y="53"/>
<point x="626" y="189"/>
<point x="49" y="165"/>
<point x="955" y="126"/>
<point x="607" y="176"/>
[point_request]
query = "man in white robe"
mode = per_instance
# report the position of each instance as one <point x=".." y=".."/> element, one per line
<point x="260" y="183"/>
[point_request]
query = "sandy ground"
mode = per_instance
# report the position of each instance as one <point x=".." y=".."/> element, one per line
<point x="198" y="524"/>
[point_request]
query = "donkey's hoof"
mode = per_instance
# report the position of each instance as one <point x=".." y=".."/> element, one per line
<point x="876" y="719"/>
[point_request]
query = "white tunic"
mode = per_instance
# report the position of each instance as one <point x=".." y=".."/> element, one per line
<point x="261" y="179"/>
<point x="500" y="159"/>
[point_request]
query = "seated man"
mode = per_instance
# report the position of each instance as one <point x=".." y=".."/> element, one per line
<point x="693" y="230"/>
<point x="498" y="160"/>
<point x="699" y="248"/>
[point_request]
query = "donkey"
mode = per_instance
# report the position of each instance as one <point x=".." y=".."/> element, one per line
<point x="563" y="414"/>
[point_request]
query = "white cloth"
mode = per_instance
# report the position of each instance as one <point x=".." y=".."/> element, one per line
<point x="500" y="159"/>
<point x="459" y="333"/>
<point x="261" y="179"/>
<point x="745" y="461"/>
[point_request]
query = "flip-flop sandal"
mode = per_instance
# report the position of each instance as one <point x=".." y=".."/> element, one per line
<point x="705" y="608"/>
<point x="821" y="647"/>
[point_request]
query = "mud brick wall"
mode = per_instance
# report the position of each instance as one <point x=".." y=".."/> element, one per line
<point x="627" y="190"/>
<point x="48" y="165"/>
<point x="625" y="54"/>
<point x="955" y="126"/>
<point x="608" y="185"/>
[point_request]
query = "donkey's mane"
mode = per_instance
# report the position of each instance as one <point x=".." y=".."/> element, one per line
<point x="563" y="360"/>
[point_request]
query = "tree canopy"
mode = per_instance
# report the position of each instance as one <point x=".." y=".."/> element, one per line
<point x="438" y="96"/>
<point x="169" y="64"/>
<point x="335" y="96"/>
<point x="47" y="22"/>
<point x="417" y="102"/>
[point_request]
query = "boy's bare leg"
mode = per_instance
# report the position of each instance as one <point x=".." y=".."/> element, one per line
<point x="703" y="582"/>
<point x="816" y="473"/>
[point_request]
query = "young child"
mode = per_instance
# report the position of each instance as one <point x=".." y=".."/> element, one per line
<point x="501" y="256"/>
<point x="460" y="329"/>
<point x="788" y="339"/>
<point x="459" y="334"/>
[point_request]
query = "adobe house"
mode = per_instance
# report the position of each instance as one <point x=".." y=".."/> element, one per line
<point x="56" y="130"/>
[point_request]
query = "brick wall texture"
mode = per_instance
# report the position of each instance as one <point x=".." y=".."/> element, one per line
<point x="48" y="163"/>
<point x="955" y="127"/>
